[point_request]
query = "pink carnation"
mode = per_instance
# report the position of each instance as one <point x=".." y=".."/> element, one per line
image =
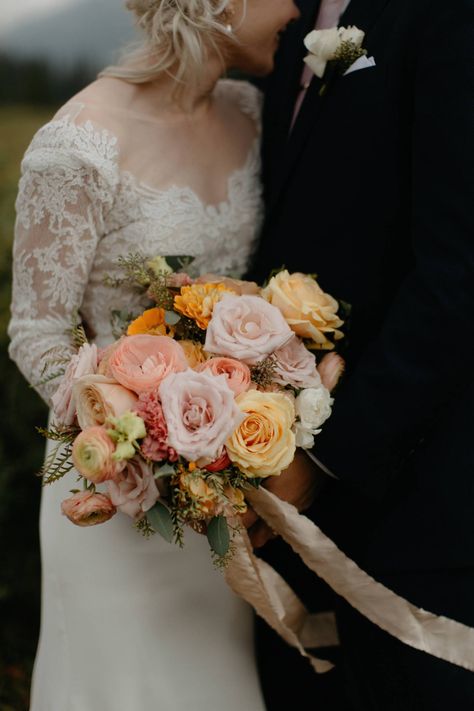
<point x="155" y="446"/>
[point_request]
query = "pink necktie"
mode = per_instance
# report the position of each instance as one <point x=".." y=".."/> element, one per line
<point x="328" y="16"/>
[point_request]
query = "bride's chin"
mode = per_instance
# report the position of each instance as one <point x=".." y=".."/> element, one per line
<point x="254" y="66"/>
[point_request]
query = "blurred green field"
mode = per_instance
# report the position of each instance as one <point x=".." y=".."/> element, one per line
<point x="21" y="449"/>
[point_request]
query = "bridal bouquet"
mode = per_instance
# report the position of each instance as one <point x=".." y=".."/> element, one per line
<point x="205" y="393"/>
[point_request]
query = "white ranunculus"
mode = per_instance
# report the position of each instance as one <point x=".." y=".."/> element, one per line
<point x="304" y="437"/>
<point x="313" y="407"/>
<point x="352" y="34"/>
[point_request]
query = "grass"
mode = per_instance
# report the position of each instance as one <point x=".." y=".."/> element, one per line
<point x="21" y="450"/>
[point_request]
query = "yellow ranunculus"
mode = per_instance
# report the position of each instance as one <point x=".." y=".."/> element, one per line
<point x="308" y="310"/>
<point x="194" y="485"/>
<point x="151" y="322"/>
<point x="198" y="300"/>
<point x="264" y="444"/>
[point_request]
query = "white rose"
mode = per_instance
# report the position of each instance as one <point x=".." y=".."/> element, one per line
<point x="352" y="34"/>
<point x="304" y="437"/>
<point x="323" y="43"/>
<point x="313" y="407"/>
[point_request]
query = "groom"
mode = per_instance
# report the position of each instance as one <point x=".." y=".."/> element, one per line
<point x="371" y="187"/>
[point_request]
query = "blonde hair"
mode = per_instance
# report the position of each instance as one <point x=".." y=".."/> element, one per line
<point x="178" y="37"/>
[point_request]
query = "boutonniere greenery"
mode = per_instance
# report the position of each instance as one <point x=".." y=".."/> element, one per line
<point x="332" y="52"/>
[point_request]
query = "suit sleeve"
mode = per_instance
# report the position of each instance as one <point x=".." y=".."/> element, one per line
<point x="424" y="354"/>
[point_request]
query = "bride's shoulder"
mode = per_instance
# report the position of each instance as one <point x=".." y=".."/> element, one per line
<point x="248" y="98"/>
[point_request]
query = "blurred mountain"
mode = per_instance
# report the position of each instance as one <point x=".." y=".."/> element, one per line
<point x="88" y="32"/>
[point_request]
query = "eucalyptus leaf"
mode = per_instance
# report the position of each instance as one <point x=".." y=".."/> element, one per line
<point x="218" y="535"/>
<point x="165" y="470"/>
<point x="172" y="318"/>
<point x="160" y="519"/>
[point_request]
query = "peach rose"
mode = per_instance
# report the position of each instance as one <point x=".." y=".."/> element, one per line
<point x="247" y="328"/>
<point x="142" y="362"/>
<point x="134" y="491"/>
<point x="88" y="509"/>
<point x="238" y="286"/>
<point x="308" y="310"/>
<point x="63" y="400"/>
<point x="264" y="444"/>
<point x="296" y="365"/>
<point x="98" y="397"/>
<point x="237" y="373"/>
<point x="92" y="455"/>
<point x="200" y="412"/>
<point x="204" y="497"/>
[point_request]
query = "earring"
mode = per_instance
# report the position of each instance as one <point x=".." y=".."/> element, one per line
<point x="229" y="29"/>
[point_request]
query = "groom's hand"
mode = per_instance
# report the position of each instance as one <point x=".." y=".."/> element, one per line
<point x="299" y="485"/>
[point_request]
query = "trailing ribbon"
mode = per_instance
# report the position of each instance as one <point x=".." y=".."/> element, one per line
<point x="274" y="600"/>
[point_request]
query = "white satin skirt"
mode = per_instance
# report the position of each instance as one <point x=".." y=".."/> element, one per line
<point x="130" y="624"/>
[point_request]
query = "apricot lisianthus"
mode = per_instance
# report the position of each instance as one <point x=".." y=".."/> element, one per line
<point x="151" y="322"/>
<point x="197" y="301"/>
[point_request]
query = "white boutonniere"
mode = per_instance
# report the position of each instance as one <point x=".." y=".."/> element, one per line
<point x="333" y="51"/>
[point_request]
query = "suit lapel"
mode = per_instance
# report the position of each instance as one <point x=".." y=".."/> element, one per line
<point x="362" y="13"/>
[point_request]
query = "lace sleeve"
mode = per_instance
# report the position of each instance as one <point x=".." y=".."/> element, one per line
<point x="66" y="189"/>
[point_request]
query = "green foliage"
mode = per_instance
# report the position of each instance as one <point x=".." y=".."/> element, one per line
<point x="162" y="522"/>
<point x="218" y="536"/>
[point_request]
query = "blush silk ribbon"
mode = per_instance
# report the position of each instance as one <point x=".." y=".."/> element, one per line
<point x="272" y="598"/>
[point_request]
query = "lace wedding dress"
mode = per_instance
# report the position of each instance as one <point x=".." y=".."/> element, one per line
<point x="127" y="624"/>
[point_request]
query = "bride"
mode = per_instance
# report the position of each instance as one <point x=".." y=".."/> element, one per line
<point x="157" y="156"/>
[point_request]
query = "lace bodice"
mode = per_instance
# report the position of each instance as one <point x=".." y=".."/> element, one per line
<point x="79" y="208"/>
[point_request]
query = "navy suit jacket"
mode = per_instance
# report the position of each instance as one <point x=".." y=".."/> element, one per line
<point x="373" y="191"/>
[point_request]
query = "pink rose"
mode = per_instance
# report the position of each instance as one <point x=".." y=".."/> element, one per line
<point x="92" y="455"/>
<point x="140" y="363"/>
<point x="98" y="397"/>
<point x="331" y="369"/>
<point x="82" y="363"/>
<point x="200" y="412"/>
<point x="237" y="373"/>
<point x="247" y="328"/>
<point x="296" y="365"/>
<point x="88" y="509"/>
<point x="155" y="446"/>
<point x="135" y="491"/>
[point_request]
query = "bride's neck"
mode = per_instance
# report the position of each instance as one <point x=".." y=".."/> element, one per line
<point x="166" y="97"/>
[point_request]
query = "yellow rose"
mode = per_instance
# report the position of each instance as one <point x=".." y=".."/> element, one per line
<point x="194" y="352"/>
<point x="264" y="444"/>
<point x="198" y="300"/>
<point x="309" y="312"/>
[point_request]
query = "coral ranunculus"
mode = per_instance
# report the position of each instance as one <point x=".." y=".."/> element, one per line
<point x="264" y="444"/>
<point x="152" y="321"/>
<point x="92" y="455"/>
<point x="140" y="363"/>
<point x="198" y="300"/>
<point x="88" y="509"/>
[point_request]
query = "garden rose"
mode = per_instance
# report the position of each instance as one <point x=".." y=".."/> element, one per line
<point x="237" y="373"/>
<point x="313" y="408"/>
<point x="82" y="363"/>
<point x="296" y="365"/>
<point x="98" y="397"/>
<point x="246" y="328"/>
<point x="264" y="444"/>
<point x="236" y="285"/>
<point x="200" y="412"/>
<point x="134" y="491"/>
<point x="92" y="455"/>
<point x="141" y="363"/>
<point x="308" y="310"/>
<point x="88" y="509"/>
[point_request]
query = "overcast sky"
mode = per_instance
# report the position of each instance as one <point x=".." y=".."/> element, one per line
<point x="13" y="12"/>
